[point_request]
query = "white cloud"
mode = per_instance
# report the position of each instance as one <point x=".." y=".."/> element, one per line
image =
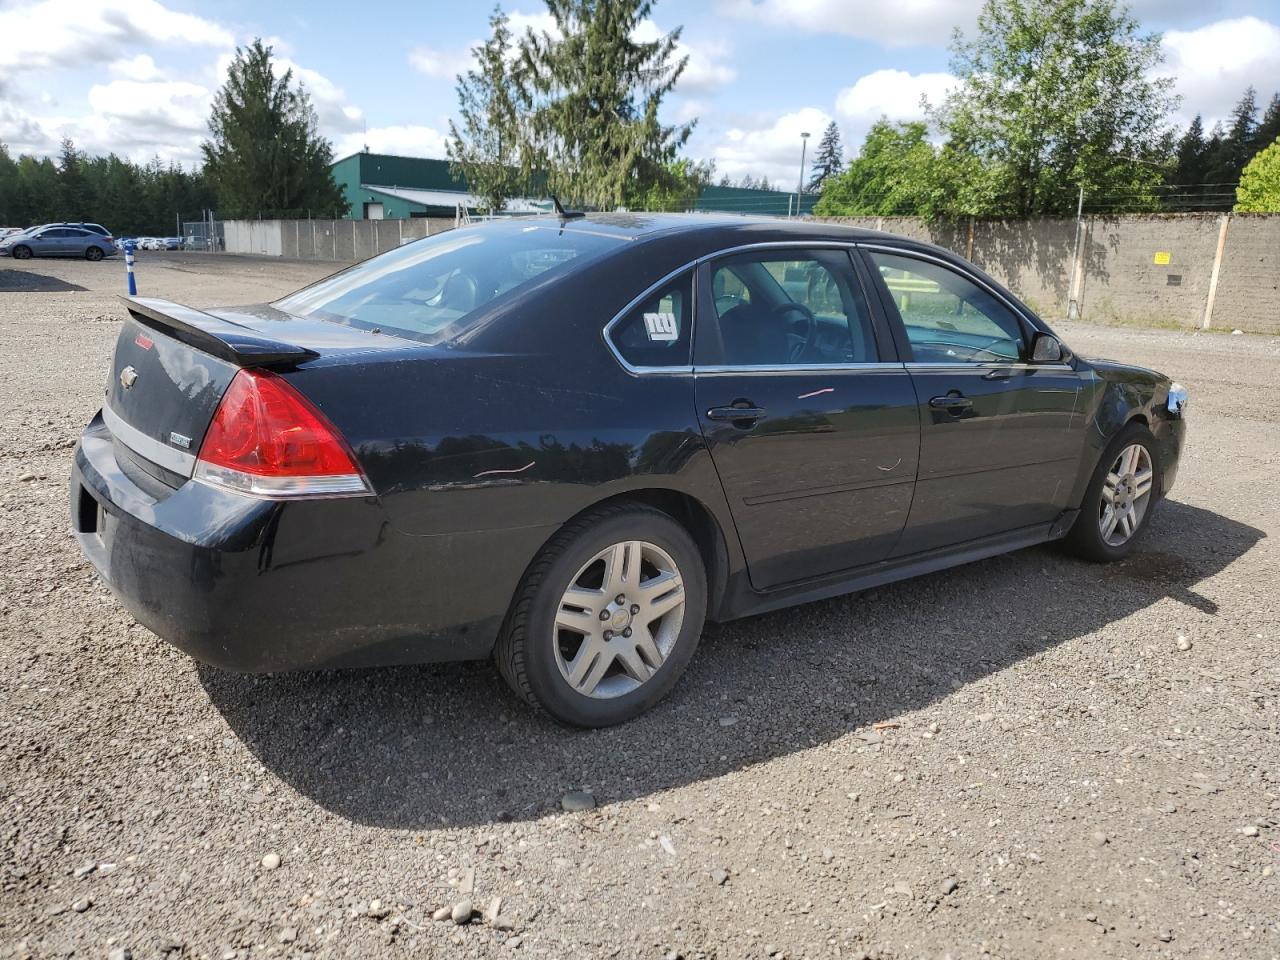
<point x="1215" y="63"/>
<point x="706" y="70"/>
<point x="894" y="94"/>
<point x="442" y="64"/>
<point x="407" y="141"/>
<point x="772" y="148"/>
<point x="141" y="67"/>
<point x="903" y="23"/>
<point x="67" y="33"/>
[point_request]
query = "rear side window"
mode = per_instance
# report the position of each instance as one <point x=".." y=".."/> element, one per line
<point x="431" y="290"/>
<point x="658" y="331"/>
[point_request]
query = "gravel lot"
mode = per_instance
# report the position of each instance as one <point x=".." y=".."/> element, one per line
<point x="1025" y="757"/>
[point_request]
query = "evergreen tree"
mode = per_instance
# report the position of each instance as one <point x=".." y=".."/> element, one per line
<point x="1052" y="96"/>
<point x="1191" y="167"/>
<point x="829" y="160"/>
<point x="1269" y="126"/>
<point x="594" y="93"/>
<point x="1238" y="144"/>
<point x="72" y="194"/>
<point x="485" y="151"/>
<point x="265" y="157"/>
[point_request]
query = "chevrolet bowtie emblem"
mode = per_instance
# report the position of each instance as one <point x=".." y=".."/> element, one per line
<point x="127" y="376"/>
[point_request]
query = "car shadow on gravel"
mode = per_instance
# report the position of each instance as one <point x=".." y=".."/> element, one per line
<point x="25" y="281"/>
<point x="448" y="745"/>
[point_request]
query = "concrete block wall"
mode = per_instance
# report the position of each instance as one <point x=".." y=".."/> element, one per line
<point x="1124" y="276"/>
<point x="343" y="241"/>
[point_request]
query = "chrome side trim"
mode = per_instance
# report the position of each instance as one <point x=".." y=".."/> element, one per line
<point x="148" y="447"/>
<point x="986" y="366"/>
<point x="796" y="369"/>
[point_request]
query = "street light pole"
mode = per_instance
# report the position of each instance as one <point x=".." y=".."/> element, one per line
<point x="804" y="143"/>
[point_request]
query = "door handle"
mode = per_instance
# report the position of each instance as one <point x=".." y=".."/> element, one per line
<point x="742" y="413"/>
<point x="951" y="403"/>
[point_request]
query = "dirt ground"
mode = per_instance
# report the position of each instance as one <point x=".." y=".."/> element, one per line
<point x="1025" y="757"/>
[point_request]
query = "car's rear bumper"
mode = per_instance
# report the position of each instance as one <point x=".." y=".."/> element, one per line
<point x="255" y="585"/>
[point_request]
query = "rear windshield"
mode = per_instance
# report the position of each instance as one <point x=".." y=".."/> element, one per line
<point x="430" y="289"/>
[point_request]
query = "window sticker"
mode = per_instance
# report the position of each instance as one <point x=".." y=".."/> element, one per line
<point x="661" y="327"/>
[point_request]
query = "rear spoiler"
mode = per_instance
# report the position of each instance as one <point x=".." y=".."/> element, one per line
<point x="221" y="338"/>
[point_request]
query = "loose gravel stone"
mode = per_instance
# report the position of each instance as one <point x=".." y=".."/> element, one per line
<point x="117" y="747"/>
<point x="461" y="913"/>
<point x="271" y="861"/>
<point x="81" y="905"/>
<point x="442" y="913"/>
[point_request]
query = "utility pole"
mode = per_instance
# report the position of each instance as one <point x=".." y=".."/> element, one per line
<point x="1073" y="303"/>
<point x="804" y="143"/>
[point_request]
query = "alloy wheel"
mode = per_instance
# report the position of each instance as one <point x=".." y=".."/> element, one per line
<point x="1126" y="495"/>
<point x="619" y="619"/>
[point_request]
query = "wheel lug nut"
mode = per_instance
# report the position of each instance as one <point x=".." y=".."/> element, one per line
<point x="621" y="599"/>
<point x="635" y="608"/>
<point x="608" y="634"/>
<point x="626" y="632"/>
<point x="604" y="614"/>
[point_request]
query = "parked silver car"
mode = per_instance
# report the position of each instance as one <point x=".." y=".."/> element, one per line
<point x="53" y="240"/>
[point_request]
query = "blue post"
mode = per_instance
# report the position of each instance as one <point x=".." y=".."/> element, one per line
<point x="128" y="266"/>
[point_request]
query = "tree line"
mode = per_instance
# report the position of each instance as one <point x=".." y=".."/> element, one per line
<point x="1058" y="104"/>
<point x="129" y="198"/>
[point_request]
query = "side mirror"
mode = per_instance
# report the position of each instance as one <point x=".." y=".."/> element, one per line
<point x="1046" y="349"/>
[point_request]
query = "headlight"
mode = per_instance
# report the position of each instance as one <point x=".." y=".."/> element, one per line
<point x="1177" y="401"/>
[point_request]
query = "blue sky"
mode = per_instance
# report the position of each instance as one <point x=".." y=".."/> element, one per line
<point x="136" y="76"/>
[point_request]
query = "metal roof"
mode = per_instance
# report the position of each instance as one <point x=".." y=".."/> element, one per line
<point x="451" y="199"/>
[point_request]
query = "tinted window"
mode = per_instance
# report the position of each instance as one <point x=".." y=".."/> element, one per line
<point x="55" y="233"/>
<point x="430" y="289"/>
<point x="777" y="308"/>
<point x="658" y="332"/>
<point x="949" y="318"/>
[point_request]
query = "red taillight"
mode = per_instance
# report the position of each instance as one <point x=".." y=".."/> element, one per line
<point x="267" y="440"/>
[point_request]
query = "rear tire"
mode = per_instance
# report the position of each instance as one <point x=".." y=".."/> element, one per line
<point x="607" y="618"/>
<point x="1120" y="498"/>
<point x="93" y="254"/>
<point x="21" y="253"/>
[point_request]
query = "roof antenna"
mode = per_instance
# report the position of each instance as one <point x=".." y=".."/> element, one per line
<point x="564" y="214"/>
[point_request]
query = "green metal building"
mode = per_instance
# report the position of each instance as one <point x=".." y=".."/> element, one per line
<point x="382" y="187"/>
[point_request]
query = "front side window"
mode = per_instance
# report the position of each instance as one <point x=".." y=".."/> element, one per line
<point x="431" y="289"/>
<point x="658" y="331"/>
<point x="948" y="318"/>
<point x="785" y="307"/>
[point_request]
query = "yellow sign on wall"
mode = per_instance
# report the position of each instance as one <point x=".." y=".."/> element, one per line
<point x="1162" y="258"/>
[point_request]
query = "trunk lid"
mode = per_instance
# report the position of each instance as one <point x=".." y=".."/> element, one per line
<point x="172" y="365"/>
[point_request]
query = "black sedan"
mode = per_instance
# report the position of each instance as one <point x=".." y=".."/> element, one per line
<point x="566" y="443"/>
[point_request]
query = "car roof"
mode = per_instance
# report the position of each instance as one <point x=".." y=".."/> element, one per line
<point x="644" y="225"/>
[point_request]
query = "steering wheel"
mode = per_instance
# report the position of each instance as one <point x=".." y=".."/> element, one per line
<point x="810" y="327"/>
<point x="726" y="302"/>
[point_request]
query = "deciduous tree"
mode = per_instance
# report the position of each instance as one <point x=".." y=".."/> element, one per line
<point x="1259" y="190"/>
<point x="1054" y="95"/>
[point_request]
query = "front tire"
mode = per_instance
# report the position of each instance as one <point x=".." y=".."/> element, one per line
<point x="21" y="253"/>
<point x="607" y="618"/>
<point x="1120" y="498"/>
